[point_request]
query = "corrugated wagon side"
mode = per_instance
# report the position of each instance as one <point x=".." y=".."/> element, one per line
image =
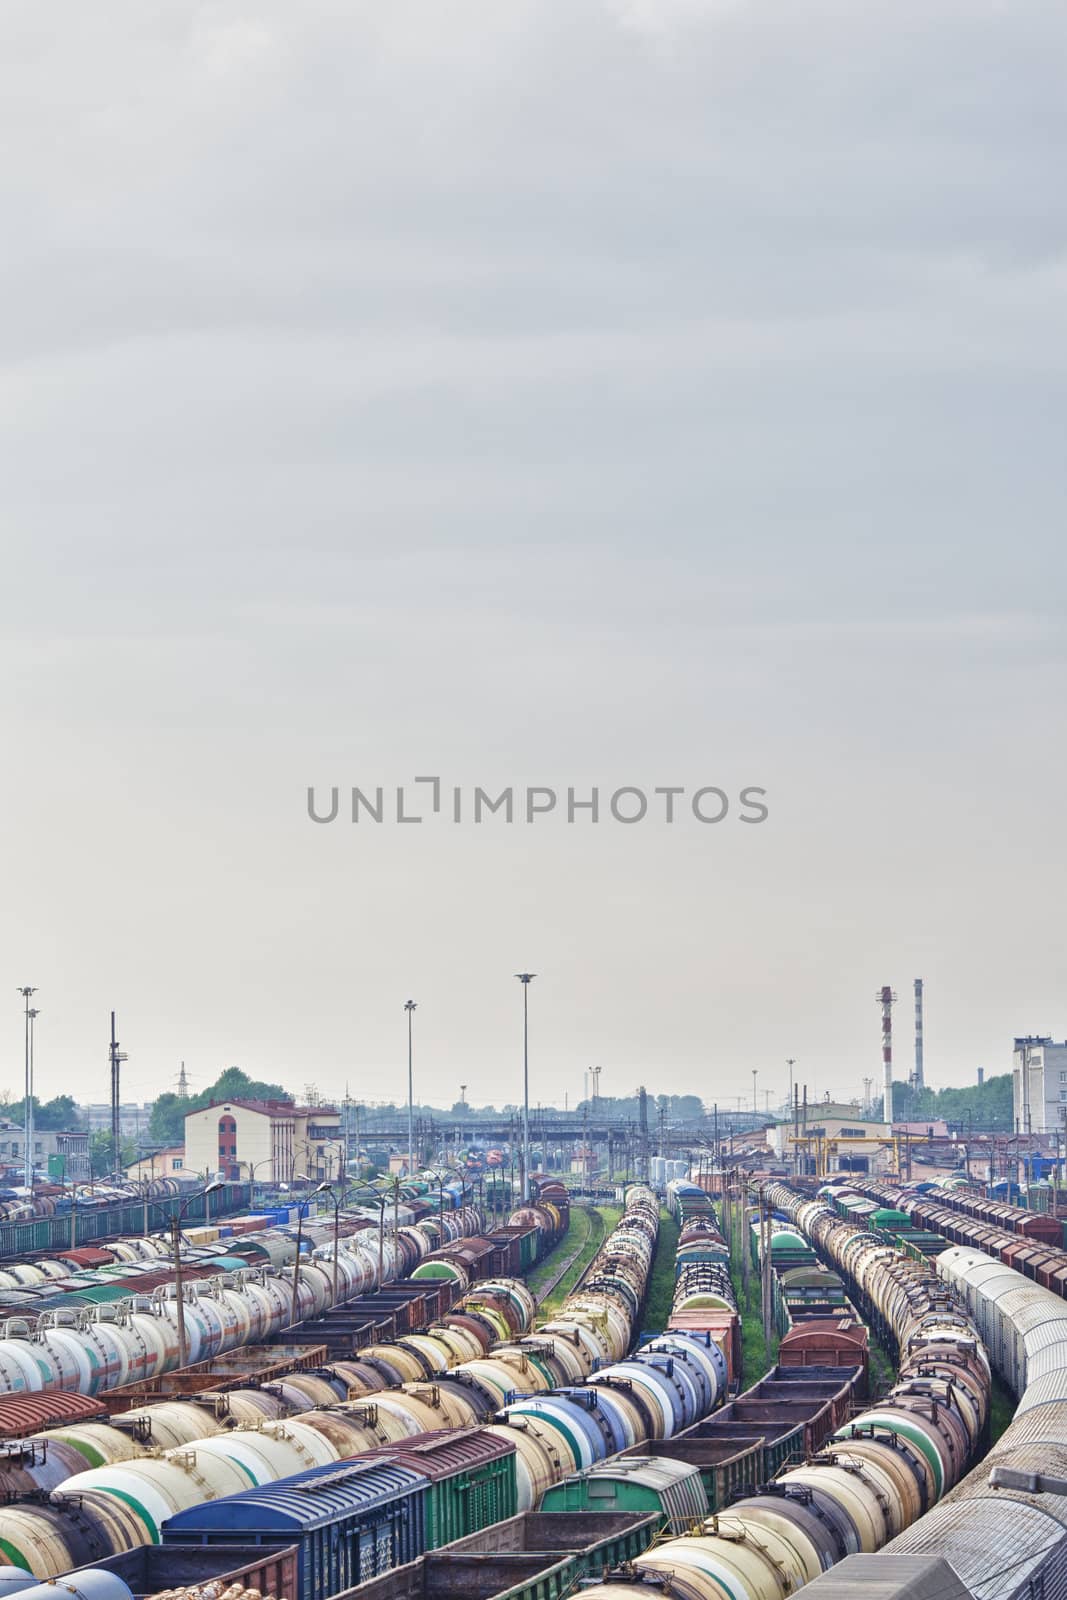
<point x="349" y="1523"/>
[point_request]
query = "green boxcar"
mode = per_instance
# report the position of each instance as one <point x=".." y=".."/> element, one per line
<point x="463" y="1502"/>
<point x="729" y="1468"/>
<point x="103" y="1293"/>
<point x="674" y="1490"/>
<point x="472" y="1480"/>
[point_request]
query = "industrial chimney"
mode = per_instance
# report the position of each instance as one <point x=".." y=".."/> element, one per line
<point x="981" y="1076"/>
<point x="887" y="999"/>
<point x="917" y="1079"/>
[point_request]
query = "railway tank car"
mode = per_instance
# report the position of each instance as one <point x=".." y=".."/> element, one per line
<point x="551" y="1427"/>
<point x="880" y="1472"/>
<point x="89" y="1350"/>
<point x="703" y="1299"/>
<point x="1004" y="1527"/>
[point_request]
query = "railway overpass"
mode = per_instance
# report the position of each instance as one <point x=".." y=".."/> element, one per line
<point x="551" y="1130"/>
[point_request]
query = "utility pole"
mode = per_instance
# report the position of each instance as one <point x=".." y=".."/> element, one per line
<point x="744" y="1234"/>
<point x="27" y="1115"/>
<point x="766" y="1295"/>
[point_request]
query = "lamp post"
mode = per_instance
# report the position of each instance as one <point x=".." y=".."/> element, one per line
<point x="439" y="1174"/>
<point x="525" y="978"/>
<point x="342" y="1165"/>
<point x="755" y="1102"/>
<point x="409" y="1007"/>
<point x="300" y="1177"/>
<point x="396" y="1210"/>
<point x="176" y="1238"/>
<point x="333" y="1201"/>
<point x="253" y="1167"/>
<point x="74" y="1216"/>
<point x="381" y="1200"/>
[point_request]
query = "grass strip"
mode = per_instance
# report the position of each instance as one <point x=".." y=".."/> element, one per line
<point x="566" y="1284"/>
<point x="661" y="1281"/>
<point x="576" y="1235"/>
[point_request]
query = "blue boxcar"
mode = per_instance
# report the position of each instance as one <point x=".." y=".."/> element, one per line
<point x="349" y="1523"/>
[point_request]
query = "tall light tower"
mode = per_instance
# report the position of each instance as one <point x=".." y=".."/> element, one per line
<point x="116" y="1058"/>
<point x="755" y="1101"/>
<point x="525" y="978"/>
<point x="887" y="1000"/>
<point x="790" y="1062"/>
<point x="27" y="1116"/>
<point x="409" y="1007"/>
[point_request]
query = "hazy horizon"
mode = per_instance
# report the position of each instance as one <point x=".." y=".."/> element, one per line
<point x="559" y="395"/>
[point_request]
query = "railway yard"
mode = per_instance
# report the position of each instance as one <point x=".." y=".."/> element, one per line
<point x="583" y="1396"/>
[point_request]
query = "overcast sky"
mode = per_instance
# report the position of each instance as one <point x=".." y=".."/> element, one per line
<point x="531" y="392"/>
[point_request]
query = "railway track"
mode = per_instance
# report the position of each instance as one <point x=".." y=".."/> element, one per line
<point x="596" y="1237"/>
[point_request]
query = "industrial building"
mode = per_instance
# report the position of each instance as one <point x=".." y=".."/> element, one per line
<point x="269" y="1141"/>
<point x="837" y="1143"/>
<point x="64" y="1156"/>
<point x="1039" y="1084"/>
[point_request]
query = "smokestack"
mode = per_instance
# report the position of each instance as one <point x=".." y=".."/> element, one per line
<point x="917" y="1081"/>
<point x="981" y="1076"/>
<point x="887" y="999"/>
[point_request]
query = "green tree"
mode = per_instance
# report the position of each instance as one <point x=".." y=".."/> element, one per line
<point x="49" y="1116"/>
<point x="60" y="1115"/>
<point x="166" y="1125"/>
<point x="981" y="1106"/>
<point x="102" y="1153"/>
<point x="233" y="1084"/>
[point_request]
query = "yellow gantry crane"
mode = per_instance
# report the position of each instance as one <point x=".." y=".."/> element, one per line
<point x="820" y="1147"/>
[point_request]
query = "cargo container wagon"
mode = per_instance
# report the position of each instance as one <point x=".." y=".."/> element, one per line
<point x="530" y="1557"/>
<point x="348" y="1524"/>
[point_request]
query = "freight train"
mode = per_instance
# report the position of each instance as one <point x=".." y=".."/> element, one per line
<point x="816" y="1322"/>
<point x="45" y="1221"/>
<point x="703" y="1300"/>
<point x="550" y="1422"/>
<point x="75" y="1345"/>
<point x="1004" y="1527"/>
<point x="884" y="1469"/>
<point x="1029" y="1242"/>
